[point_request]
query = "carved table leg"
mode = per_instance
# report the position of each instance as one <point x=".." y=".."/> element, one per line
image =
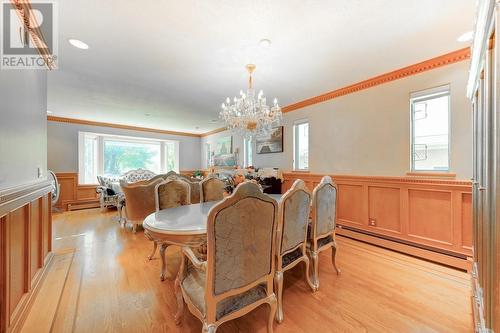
<point x="151" y="256"/>
<point x="163" y="274"/>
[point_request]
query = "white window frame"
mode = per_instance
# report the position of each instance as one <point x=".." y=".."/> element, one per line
<point x="101" y="138"/>
<point x="296" y="146"/>
<point x="425" y="95"/>
<point x="247" y="152"/>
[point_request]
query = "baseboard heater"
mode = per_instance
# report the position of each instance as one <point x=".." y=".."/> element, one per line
<point x="447" y="258"/>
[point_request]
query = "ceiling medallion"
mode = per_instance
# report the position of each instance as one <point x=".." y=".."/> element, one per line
<point x="249" y="115"/>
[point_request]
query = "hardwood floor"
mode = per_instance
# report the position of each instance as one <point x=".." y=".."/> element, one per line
<point x="112" y="287"/>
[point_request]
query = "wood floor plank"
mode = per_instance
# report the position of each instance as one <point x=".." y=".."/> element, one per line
<point x="45" y="306"/>
<point x="119" y="290"/>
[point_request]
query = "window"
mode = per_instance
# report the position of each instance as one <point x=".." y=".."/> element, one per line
<point x="430" y="142"/>
<point x="301" y="145"/>
<point x="113" y="155"/>
<point x="247" y="152"/>
<point x="208" y="155"/>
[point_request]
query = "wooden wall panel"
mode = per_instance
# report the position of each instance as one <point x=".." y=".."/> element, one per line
<point x="430" y="213"/>
<point x="25" y="249"/>
<point x="17" y="226"/>
<point x="384" y="212"/>
<point x="430" y="216"/>
<point x="86" y="192"/>
<point x="36" y="232"/>
<point x="466" y="221"/>
<point x="350" y="204"/>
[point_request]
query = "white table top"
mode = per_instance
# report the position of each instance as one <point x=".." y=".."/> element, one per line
<point x="183" y="220"/>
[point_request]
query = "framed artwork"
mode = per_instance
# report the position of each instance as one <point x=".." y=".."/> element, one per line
<point x="224" y="146"/>
<point x="272" y="143"/>
<point x="226" y="160"/>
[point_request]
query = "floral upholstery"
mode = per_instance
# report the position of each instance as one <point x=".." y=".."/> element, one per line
<point x="194" y="285"/>
<point x="295" y="220"/>
<point x="243" y="238"/>
<point x="325" y="210"/>
<point x="212" y="189"/>
<point x="172" y="193"/>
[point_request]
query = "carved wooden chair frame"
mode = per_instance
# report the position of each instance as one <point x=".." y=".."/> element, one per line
<point x="313" y="248"/>
<point x="298" y="186"/>
<point x="209" y="320"/>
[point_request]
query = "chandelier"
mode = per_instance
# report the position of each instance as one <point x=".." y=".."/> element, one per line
<point x="249" y="115"/>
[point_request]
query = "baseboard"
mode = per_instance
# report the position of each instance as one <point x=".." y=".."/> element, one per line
<point x="457" y="262"/>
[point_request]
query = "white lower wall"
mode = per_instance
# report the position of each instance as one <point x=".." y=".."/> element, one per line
<point x="368" y="132"/>
<point x="23" y="126"/>
<point x="62" y="145"/>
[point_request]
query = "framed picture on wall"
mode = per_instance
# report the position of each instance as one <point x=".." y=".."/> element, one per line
<point x="224" y="146"/>
<point x="272" y="143"/>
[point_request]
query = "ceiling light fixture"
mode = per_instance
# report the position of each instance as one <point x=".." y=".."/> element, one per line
<point x="265" y="42"/>
<point x="249" y="115"/>
<point x="78" y="44"/>
<point x="466" y="37"/>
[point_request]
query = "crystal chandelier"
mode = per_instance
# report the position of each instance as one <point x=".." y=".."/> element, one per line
<point x="249" y="115"/>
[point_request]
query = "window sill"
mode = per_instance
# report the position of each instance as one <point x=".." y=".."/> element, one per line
<point x="431" y="174"/>
<point x="301" y="171"/>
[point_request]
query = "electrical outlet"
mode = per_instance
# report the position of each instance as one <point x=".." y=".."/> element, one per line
<point x="372" y="222"/>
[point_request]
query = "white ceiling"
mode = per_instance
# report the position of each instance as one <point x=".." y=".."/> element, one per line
<point x="178" y="60"/>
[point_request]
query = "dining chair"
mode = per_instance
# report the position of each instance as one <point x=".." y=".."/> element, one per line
<point x="169" y="193"/>
<point x="172" y="193"/>
<point x="291" y="247"/>
<point x="195" y="189"/>
<point x="140" y="201"/>
<point x="322" y="228"/>
<point x="237" y="276"/>
<point x="211" y="189"/>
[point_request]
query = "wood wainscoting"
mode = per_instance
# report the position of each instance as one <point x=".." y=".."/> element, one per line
<point x="25" y="249"/>
<point x="76" y="196"/>
<point x="424" y="217"/>
<point x="73" y="195"/>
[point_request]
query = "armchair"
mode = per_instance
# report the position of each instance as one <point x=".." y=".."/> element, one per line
<point x="322" y="229"/>
<point x="140" y="201"/>
<point x="238" y="274"/>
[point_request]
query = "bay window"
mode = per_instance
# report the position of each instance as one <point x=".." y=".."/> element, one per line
<point x="112" y="155"/>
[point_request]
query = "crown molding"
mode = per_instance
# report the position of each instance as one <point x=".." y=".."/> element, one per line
<point x="215" y="131"/>
<point x="127" y="127"/>
<point x="443" y="60"/>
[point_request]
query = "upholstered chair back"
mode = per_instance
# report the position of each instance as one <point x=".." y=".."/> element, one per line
<point x="241" y="233"/>
<point x="172" y="193"/>
<point x="140" y="199"/>
<point x="211" y="189"/>
<point x="296" y="203"/>
<point x="324" y="206"/>
<point x="195" y="189"/>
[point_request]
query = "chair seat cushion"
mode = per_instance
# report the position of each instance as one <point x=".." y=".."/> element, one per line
<point x="194" y="287"/>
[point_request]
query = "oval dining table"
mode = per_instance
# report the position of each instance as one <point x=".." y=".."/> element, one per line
<point x="181" y="226"/>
